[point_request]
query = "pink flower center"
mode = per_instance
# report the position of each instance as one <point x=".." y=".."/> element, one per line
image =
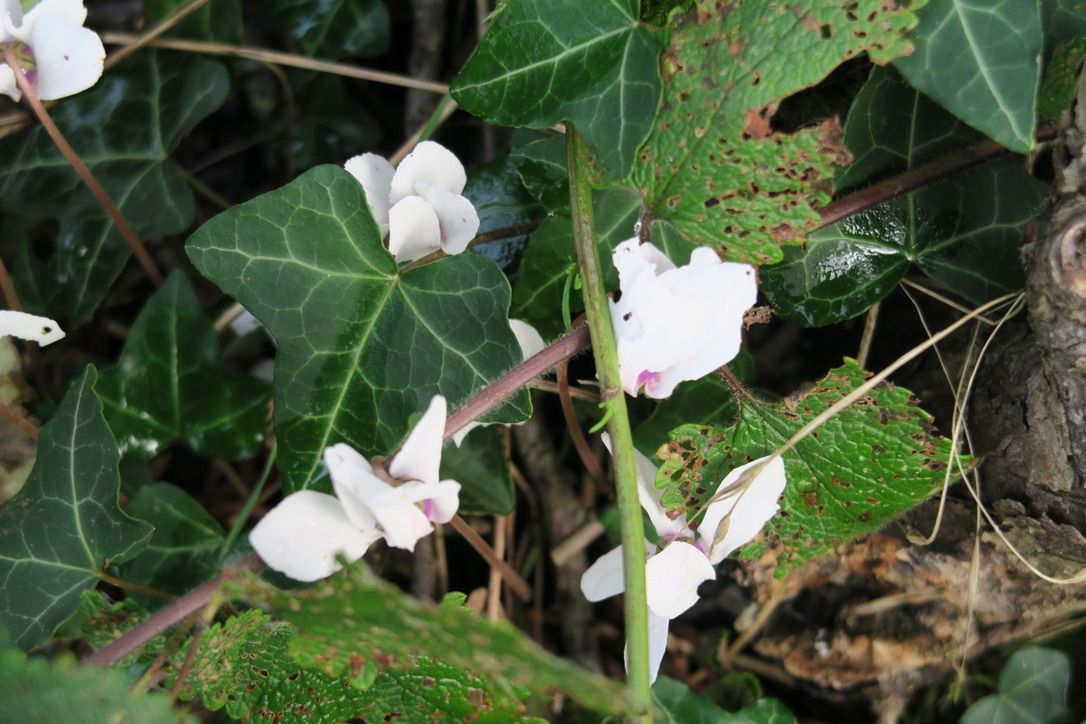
<point x="428" y="508"/>
<point x="648" y="379"/>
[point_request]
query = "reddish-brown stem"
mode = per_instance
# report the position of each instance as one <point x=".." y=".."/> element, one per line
<point x="165" y="617"/>
<point x="502" y="388"/>
<point x="919" y="177"/>
<point x="576" y="434"/>
<point x="512" y="578"/>
<point x="80" y="168"/>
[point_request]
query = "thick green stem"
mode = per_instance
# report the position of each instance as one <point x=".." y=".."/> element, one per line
<point x="618" y="426"/>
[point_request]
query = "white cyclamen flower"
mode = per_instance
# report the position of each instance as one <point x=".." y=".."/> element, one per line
<point x="677" y="323"/>
<point x="418" y="204"/>
<point x="531" y="342"/>
<point x="60" y="56"/>
<point x="673" y="574"/>
<point x="29" y="327"/>
<point x="302" y="536"/>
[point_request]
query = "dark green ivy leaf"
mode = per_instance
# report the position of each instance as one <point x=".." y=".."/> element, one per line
<point x="332" y="29"/>
<point x="982" y="62"/>
<point x="64" y="526"/>
<point x="220" y="20"/>
<point x="963" y="231"/>
<point x="495" y="191"/>
<point x="169" y="384"/>
<point x="184" y="551"/>
<point x="546" y="61"/>
<point x="124" y="129"/>
<point x="1033" y="689"/>
<point x="362" y="347"/>
<point x="479" y="465"/>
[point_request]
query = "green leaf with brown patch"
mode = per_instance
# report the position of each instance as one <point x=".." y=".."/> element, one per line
<point x="243" y="667"/>
<point x="865" y="466"/>
<point x="713" y="166"/>
<point x="351" y="620"/>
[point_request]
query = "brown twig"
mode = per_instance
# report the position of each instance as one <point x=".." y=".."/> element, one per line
<point x="919" y="177"/>
<point x="485" y="238"/>
<point x="165" y="617"/>
<point x="7" y="287"/>
<point x="17" y="419"/>
<point x="202" y="624"/>
<point x="573" y="426"/>
<point x="142" y="40"/>
<point x="277" y="58"/>
<point x="85" y="174"/>
<point x="512" y="578"/>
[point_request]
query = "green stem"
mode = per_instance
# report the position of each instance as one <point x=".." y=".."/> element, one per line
<point x="618" y="426"/>
<point x="243" y="516"/>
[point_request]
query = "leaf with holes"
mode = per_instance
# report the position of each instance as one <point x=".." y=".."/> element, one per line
<point x="982" y="62"/>
<point x="243" y="667"/>
<point x="184" y="549"/>
<point x="709" y="401"/>
<point x="546" y="61"/>
<point x="39" y="690"/>
<point x="362" y="346"/>
<point x="549" y="259"/>
<point x="713" y="167"/>
<point x="169" y="384"/>
<point x="859" y="470"/>
<point x="353" y="619"/>
<point x="124" y="129"/>
<point x="332" y="29"/>
<point x="963" y="231"/>
<point x="65" y="524"/>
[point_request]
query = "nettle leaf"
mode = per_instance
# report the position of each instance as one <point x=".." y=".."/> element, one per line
<point x="549" y="259"/>
<point x="60" y="690"/>
<point x="102" y="622"/>
<point x="479" y="465"/>
<point x="221" y="20"/>
<point x="680" y="705"/>
<point x="169" y="384"/>
<point x="501" y="201"/>
<point x="362" y="347"/>
<point x="964" y="231"/>
<point x="354" y="619"/>
<point x="982" y="62"/>
<point x="1033" y="687"/>
<point x="713" y="166"/>
<point x="862" y="468"/>
<point x="243" y="667"/>
<point x="184" y="549"/>
<point x="65" y="524"/>
<point x="124" y="129"/>
<point x="333" y="29"/>
<point x="542" y="62"/>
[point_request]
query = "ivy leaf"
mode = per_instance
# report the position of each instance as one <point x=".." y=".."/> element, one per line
<point x="352" y="619"/>
<point x="861" y="469"/>
<point x="963" y="231"/>
<point x="546" y="61"/>
<point x="333" y="29"/>
<point x="713" y="166"/>
<point x="1033" y="689"/>
<point x="479" y="465"/>
<point x="219" y="21"/>
<point x="497" y="195"/>
<point x="541" y="165"/>
<point x="982" y="63"/>
<point x="332" y="125"/>
<point x="124" y="129"/>
<point x="39" y="690"/>
<point x="184" y="549"/>
<point x="243" y="667"/>
<point x="549" y="257"/>
<point x="64" y="525"/>
<point x="361" y="346"/>
<point x="680" y="705"/>
<point x="169" y="384"/>
<point x="1062" y="19"/>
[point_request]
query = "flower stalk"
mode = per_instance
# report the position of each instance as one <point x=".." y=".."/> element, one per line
<point x="618" y="426"/>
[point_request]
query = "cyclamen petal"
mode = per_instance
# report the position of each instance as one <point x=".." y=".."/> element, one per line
<point x="420" y="455"/>
<point x="429" y="163"/>
<point x="302" y="536"/>
<point x="68" y="58"/>
<point x="605" y="577"/>
<point x="413" y="229"/>
<point x="672" y="577"/>
<point x="375" y="175"/>
<point x="676" y="323"/>
<point x="750" y="509"/>
<point x="30" y="327"/>
<point x="658" y="627"/>
<point x="456" y="217"/>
